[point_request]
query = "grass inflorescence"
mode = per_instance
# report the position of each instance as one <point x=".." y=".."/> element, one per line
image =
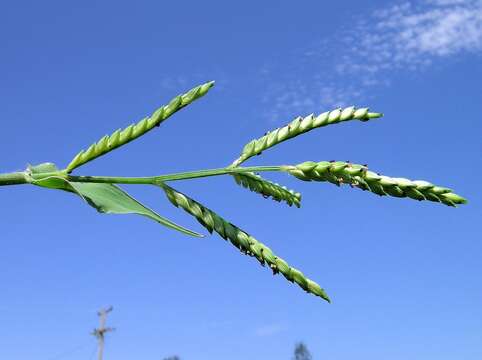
<point x="300" y="126"/>
<point x="340" y="172"/>
<point x="104" y="194"/>
<point x="133" y="131"/>
<point x="268" y="188"/>
<point x="246" y="243"/>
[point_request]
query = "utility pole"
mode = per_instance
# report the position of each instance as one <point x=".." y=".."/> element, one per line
<point x="100" y="332"/>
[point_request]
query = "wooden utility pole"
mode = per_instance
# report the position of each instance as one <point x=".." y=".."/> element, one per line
<point x="100" y="332"/>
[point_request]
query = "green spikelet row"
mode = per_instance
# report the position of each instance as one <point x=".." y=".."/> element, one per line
<point x="243" y="241"/>
<point x="267" y="188"/>
<point x="340" y="172"/>
<point x="300" y="126"/>
<point x="133" y="131"/>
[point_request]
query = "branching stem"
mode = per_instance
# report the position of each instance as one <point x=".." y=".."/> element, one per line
<point x="216" y="172"/>
<point x="153" y="180"/>
<point x="22" y="178"/>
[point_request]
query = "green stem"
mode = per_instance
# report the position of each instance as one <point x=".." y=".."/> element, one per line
<point x="215" y="172"/>
<point x="112" y="179"/>
<point x="17" y="178"/>
<point x="153" y="180"/>
<point x="14" y="178"/>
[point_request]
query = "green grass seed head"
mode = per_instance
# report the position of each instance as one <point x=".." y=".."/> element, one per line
<point x="340" y="172"/>
<point x="243" y="241"/>
<point x="300" y="126"/>
<point x="106" y="197"/>
<point x="267" y="188"/>
<point x="134" y="131"/>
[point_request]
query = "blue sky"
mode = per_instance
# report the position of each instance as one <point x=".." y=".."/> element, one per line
<point x="404" y="276"/>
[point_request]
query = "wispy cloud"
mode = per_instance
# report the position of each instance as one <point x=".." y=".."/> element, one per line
<point x="269" y="330"/>
<point x="403" y="36"/>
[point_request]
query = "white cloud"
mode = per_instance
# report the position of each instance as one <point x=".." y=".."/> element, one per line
<point x="405" y="36"/>
<point x="401" y="37"/>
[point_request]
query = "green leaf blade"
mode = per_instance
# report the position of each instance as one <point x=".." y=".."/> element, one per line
<point x="111" y="199"/>
<point x="105" y="198"/>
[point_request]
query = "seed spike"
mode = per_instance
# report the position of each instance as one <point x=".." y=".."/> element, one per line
<point x="132" y="132"/>
<point x="242" y="240"/>
<point x="300" y="126"/>
<point x="267" y="188"/>
<point x="339" y="172"/>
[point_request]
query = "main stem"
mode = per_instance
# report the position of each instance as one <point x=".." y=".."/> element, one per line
<point x="21" y="178"/>
<point x="14" y="178"/>
<point x="172" y="177"/>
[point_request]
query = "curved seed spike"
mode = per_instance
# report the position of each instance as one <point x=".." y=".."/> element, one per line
<point x="267" y="188"/>
<point x="132" y="132"/>
<point x="242" y="240"/>
<point x="340" y="172"/>
<point x="300" y="126"/>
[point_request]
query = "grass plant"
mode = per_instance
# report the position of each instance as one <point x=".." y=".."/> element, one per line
<point x="106" y="196"/>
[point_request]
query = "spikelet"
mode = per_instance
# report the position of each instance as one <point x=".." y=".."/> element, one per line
<point x="300" y="126"/>
<point x="339" y="172"/>
<point x="267" y="188"/>
<point x="133" y="131"/>
<point x="242" y="240"/>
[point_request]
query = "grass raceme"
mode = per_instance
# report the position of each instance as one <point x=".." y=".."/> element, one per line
<point x="105" y="195"/>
